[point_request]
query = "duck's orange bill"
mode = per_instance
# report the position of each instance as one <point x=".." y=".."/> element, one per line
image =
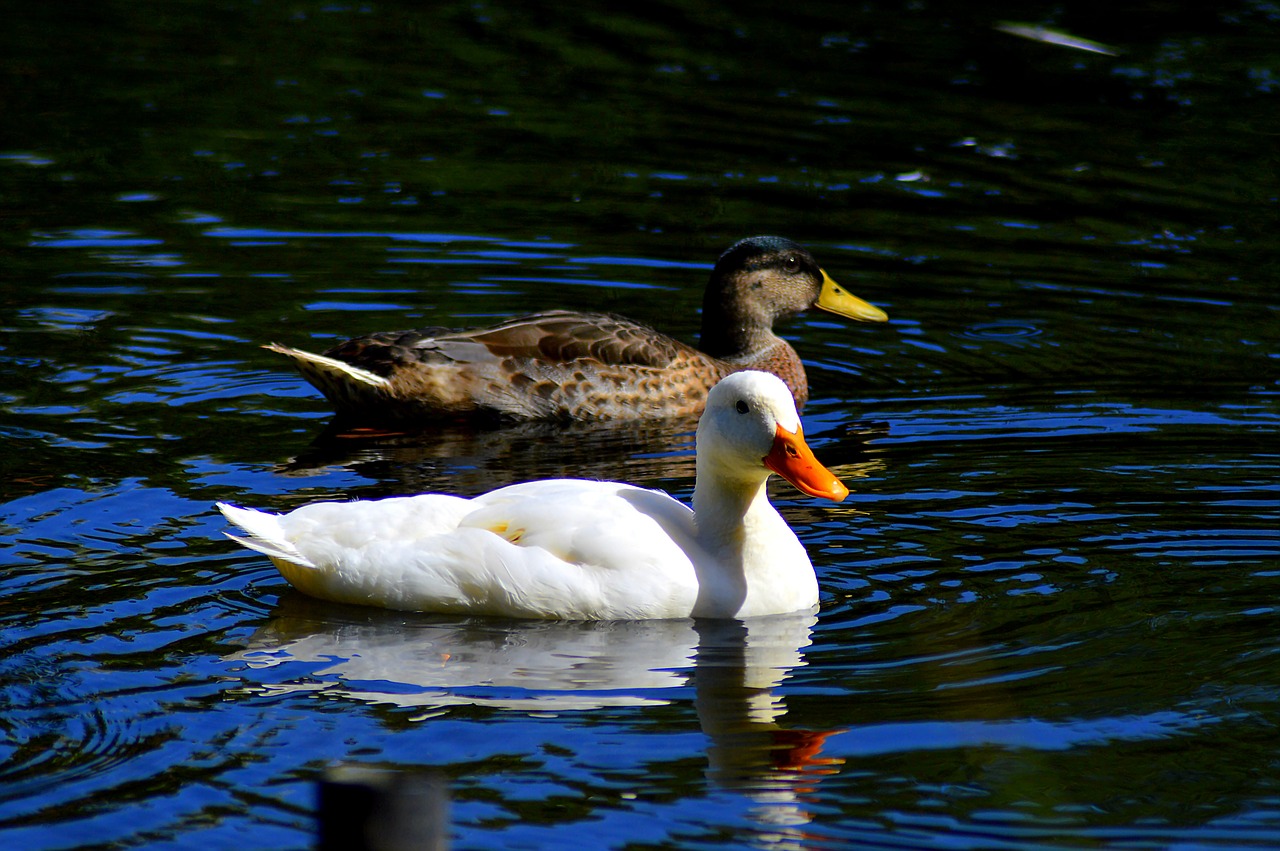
<point x="792" y="459"/>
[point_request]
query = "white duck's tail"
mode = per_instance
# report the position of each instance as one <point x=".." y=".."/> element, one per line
<point x="266" y="534"/>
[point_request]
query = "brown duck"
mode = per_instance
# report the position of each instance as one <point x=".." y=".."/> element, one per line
<point x="566" y="365"/>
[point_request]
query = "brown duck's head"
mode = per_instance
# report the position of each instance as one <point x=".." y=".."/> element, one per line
<point x="762" y="279"/>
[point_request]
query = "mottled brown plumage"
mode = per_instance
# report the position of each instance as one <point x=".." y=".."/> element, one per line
<point x="586" y="366"/>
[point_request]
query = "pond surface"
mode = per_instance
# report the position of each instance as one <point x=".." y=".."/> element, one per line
<point x="1049" y="611"/>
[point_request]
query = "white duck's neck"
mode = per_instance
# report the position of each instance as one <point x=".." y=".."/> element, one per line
<point x="728" y="512"/>
<point x="738" y="528"/>
<point x="757" y="566"/>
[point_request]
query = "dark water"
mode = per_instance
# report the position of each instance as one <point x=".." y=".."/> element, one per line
<point x="1048" y="608"/>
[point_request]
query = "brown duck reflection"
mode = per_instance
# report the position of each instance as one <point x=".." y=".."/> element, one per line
<point x="465" y="460"/>
<point x="462" y="459"/>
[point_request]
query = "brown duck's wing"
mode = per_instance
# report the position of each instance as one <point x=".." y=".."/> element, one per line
<point x="559" y="336"/>
<point x="558" y="365"/>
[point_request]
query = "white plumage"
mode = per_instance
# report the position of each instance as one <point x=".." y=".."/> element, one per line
<point x="576" y="549"/>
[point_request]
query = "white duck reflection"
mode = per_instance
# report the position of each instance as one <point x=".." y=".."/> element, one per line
<point x="549" y="666"/>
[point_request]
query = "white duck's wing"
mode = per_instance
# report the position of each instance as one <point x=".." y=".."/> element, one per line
<point x="552" y="549"/>
<point x="598" y="524"/>
<point x="335" y="533"/>
<point x="578" y="550"/>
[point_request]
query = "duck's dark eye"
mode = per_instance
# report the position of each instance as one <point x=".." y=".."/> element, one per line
<point x="743" y="407"/>
<point x="791" y="263"/>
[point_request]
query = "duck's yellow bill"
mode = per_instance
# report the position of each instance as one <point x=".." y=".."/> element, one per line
<point x="836" y="299"/>
<point x="792" y="459"/>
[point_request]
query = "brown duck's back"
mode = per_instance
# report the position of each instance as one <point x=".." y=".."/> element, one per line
<point x="554" y="365"/>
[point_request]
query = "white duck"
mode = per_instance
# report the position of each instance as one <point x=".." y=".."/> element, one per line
<point x="576" y="549"/>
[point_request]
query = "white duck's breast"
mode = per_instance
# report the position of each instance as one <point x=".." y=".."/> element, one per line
<point x="779" y="575"/>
